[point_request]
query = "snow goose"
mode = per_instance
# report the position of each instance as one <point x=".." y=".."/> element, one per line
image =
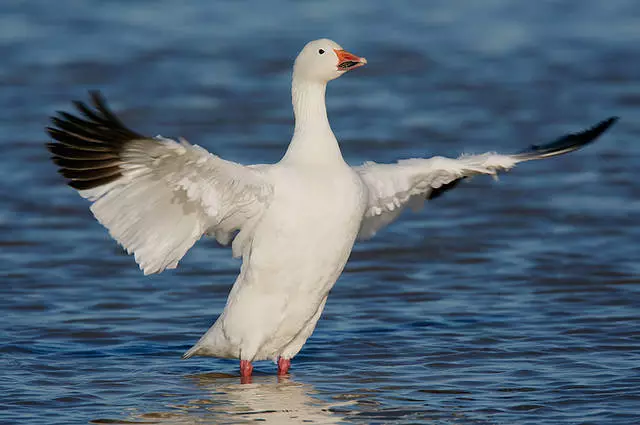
<point x="293" y="223"/>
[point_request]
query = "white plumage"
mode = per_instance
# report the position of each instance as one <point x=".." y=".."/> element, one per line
<point x="293" y="223"/>
<point x="171" y="193"/>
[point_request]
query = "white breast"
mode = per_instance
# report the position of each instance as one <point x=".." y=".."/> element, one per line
<point x="314" y="216"/>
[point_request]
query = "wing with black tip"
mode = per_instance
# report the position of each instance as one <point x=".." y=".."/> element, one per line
<point x="156" y="196"/>
<point x="393" y="187"/>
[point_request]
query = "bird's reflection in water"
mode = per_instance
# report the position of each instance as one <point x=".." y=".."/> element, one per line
<point x="225" y="400"/>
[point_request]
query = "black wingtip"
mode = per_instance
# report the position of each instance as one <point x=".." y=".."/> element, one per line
<point x="98" y="100"/>
<point x="602" y="126"/>
<point x="87" y="145"/>
<point x="567" y="143"/>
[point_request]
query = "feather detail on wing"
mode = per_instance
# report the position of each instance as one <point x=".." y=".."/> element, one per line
<point x="393" y="187"/>
<point x="156" y="196"/>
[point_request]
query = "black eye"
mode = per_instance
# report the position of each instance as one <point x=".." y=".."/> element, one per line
<point x="321" y="51"/>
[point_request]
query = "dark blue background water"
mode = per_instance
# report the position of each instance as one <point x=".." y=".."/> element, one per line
<point x="510" y="302"/>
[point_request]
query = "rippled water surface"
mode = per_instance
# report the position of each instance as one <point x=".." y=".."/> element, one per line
<point x="509" y="302"/>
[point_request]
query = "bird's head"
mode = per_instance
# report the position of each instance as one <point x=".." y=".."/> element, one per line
<point x="324" y="60"/>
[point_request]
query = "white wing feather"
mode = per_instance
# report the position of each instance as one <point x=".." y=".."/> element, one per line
<point x="170" y="194"/>
<point x="393" y="187"/>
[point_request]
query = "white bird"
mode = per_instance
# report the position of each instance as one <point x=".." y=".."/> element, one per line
<point x="294" y="222"/>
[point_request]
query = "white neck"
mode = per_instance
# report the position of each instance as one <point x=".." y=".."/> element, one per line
<point x="313" y="141"/>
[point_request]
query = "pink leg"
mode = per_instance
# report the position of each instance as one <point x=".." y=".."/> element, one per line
<point x="283" y="366"/>
<point x="246" y="368"/>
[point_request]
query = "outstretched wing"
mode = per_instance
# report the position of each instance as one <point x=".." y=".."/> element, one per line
<point x="393" y="187"/>
<point x="156" y="196"/>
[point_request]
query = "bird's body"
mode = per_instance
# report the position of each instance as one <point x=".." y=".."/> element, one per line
<point x="294" y="223"/>
<point x="299" y="246"/>
<point x="298" y="249"/>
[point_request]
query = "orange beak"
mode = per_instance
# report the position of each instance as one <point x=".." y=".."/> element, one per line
<point x="347" y="61"/>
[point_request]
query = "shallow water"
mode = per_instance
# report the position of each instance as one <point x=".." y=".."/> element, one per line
<point x="510" y="302"/>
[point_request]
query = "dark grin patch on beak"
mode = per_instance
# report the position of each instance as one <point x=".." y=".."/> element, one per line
<point x="348" y="64"/>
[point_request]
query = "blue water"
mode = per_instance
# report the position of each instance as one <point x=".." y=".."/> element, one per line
<point x="509" y="302"/>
